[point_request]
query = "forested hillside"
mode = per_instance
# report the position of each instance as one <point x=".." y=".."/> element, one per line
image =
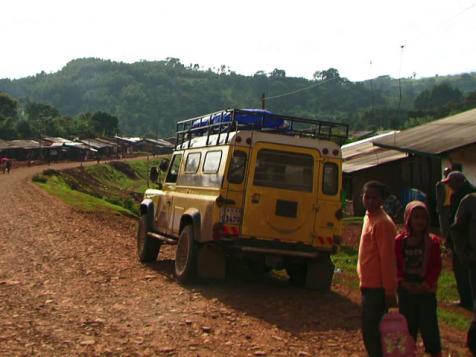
<point x="149" y="97"/>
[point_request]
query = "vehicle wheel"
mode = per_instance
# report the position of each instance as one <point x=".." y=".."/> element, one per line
<point x="186" y="256"/>
<point x="297" y="273"/>
<point x="147" y="248"/>
<point x="320" y="273"/>
<point x="257" y="265"/>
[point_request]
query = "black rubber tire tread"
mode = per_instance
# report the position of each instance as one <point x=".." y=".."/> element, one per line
<point x="147" y="248"/>
<point x="186" y="265"/>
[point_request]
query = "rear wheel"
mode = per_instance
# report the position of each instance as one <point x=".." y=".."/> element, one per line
<point x="297" y="272"/>
<point x="186" y="256"/>
<point x="147" y="248"/>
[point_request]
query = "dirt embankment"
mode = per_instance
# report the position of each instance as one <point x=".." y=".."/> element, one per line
<point x="70" y="284"/>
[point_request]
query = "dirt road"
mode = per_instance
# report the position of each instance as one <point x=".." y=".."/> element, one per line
<point x="70" y="284"/>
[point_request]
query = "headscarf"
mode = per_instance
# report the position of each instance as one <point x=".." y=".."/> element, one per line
<point x="411" y="206"/>
<point x="408" y="213"/>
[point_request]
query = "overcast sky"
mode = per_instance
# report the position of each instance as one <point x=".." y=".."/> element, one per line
<point x="362" y="39"/>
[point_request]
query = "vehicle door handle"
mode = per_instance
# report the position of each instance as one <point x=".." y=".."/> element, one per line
<point x="255" y="197"/>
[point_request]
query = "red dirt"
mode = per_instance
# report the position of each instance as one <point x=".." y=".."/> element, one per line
<point x="70" y="284"/>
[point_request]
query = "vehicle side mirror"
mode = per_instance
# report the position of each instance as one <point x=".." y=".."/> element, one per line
<point x="164" y="165"/>
<point x="154" y="174"/>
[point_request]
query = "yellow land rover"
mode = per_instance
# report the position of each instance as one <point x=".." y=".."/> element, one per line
<point x="262" y="186"/>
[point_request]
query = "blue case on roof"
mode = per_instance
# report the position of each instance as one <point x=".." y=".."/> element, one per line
<point x="254" y="118"/>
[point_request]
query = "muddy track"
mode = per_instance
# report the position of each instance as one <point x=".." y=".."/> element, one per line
<point x="70" y="284"/>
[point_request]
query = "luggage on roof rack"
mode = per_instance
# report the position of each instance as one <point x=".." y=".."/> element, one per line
<point x="229" y="120"/>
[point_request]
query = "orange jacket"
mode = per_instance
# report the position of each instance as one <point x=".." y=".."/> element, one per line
<point x="376" y="266"/>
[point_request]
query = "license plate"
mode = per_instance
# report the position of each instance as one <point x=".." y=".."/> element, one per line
<point x="231" y="215"/>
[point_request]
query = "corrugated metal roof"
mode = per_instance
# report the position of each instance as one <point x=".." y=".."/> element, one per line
<point x="19" y="144"/>
<point x="435" y="137"/>
<point x="95" y="143"/>
<point x="363" y="154"/>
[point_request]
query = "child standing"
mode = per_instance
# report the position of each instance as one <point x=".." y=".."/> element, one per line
<point x="418" y="269"/>
<point x="376" y="265"/>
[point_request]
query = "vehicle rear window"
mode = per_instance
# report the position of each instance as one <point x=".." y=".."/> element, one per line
<point x="212" y="161"/>
<point x="236" y="173"/>
<point x="285" y="170"/>
<point x="191" y="165"/>
<point x="330" y="181"/>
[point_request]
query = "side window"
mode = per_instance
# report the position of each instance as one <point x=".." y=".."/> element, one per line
<point x="192" y="163"/>
<point x="212" y="161"/>
<point x="236" y="173"/>
<point x="174" y="169"/>
<point x="330" y="180"/>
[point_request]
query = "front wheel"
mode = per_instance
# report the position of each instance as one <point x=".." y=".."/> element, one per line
<point x="186" y="256"/>
<point x="147" y="248"/>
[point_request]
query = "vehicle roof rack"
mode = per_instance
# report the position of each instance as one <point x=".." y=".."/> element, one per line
<point x="229" y="120"/>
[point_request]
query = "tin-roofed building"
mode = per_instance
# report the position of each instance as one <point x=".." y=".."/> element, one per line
<point x="448" y="140"/>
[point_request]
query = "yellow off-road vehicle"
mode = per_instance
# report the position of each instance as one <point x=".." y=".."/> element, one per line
<point x="249" y="183"/>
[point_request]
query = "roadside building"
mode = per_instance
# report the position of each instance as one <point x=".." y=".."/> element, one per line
<point x="362" y="161"/>
<point x="22" y="150"/>
<point x="448" y="140"/>
<point x="103" y="148"/>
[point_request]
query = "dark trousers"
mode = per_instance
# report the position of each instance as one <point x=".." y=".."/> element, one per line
<point x="373" y="309"/>
<point x="472" y="281"/>
<point x="462" y="278"/>
<point x="420" y="312"/>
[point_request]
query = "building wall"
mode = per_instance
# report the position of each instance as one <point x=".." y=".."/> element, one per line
<point x="466" y="156"/>
<point x="412" y="172"/>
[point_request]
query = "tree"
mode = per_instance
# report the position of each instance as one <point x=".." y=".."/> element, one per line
<point x="40" y="111"/>
<point x="104" y="123"/>
<point x="278" y="73"/>
<point x="326" y="75"/>
<point x="440" y="95"/>
<point x="8" y="106"/>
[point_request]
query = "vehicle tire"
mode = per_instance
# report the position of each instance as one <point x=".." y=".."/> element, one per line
<point x="320" y="273"/>
<point x="257" y="265"/>
<point x="297" y="273"/>
<point x="186" y="256"/>
<point x="147" y="248"/>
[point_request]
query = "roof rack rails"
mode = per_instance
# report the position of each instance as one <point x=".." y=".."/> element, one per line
<point x="225" y="121"/>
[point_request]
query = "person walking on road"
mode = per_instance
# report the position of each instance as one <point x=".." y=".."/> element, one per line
<point x="376" y="265"/>
<point x="443" y="203"/>
<point x="418" y="268"/>
<point x="8" y="166"/>
<point x="461" y="187"/>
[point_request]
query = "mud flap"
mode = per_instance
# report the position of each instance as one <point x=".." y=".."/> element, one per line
<point x="211" y="263"/>
<point x="319" y="274"/>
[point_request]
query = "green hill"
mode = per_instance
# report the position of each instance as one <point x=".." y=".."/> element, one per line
<point x="149" y="97"/>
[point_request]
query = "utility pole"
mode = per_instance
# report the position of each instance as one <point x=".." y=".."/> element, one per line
<point x="263" y="101"/>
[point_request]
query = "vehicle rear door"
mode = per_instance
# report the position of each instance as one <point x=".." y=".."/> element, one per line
<point x="281" y="193"/>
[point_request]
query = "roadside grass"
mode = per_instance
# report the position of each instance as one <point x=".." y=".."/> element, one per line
<point x="346" y="262"/>
<point x="103" y="187"/>
<point x="56" y="186"/>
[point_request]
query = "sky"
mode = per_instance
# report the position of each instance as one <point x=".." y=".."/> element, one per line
<point x="362" y="39"/>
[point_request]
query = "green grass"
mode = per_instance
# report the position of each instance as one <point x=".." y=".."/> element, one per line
<point x="57" y="187"/>
<point x="108" y="193"/>
<point x="454" y="319"/>
<point x="353" y="219"/>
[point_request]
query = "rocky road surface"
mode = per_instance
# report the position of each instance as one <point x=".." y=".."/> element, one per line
<point x="70" y="284"/>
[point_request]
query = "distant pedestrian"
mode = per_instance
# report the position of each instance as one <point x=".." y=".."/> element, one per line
<point x="418" y="268"/>
<point x="461" y="187"/>
<point x="443" y="203"/>
<point x="376" y="265"/>
<point x="393" y="207"/>
<point x="8" y="166"/>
